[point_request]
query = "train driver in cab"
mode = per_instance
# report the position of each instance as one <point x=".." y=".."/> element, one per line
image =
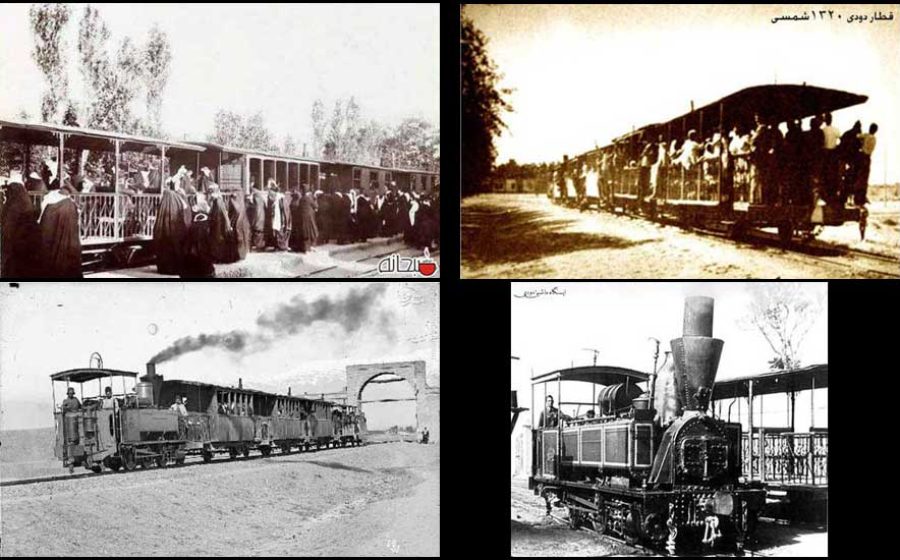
<point x="553" y="415"/>
<point x="71" y="404"/>
<point x="178" y="406"/>
<point x="108" y="398"/>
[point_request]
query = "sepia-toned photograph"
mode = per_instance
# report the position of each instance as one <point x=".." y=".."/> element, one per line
<point x="220" y="141"/>
<point x="680" y="141"/>
<point x="690" y="420"/>
<point x="228" y="419"/>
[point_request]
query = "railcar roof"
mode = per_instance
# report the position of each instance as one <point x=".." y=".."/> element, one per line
<point x="775" y="103"/>
<point x="772" y="382"/>
<point x="600" y="375"/>
<point x="83" y="375"/>
<point x="244" y="390"/>
<point x="253" y="152"/>
<point x="83" y="138"/>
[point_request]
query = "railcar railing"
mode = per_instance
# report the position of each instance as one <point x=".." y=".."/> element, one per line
<point x="790" y="458"/>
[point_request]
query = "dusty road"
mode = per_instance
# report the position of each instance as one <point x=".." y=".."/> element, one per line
<point x="380" y="500"/>
<point x="532" y="533"/>
<point x="526" y="236"/>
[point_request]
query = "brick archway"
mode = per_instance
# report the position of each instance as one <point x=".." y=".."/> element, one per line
<point x="427" y="398"/>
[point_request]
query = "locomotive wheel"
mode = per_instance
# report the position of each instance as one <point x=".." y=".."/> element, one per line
<point x="179" y="460"/>
<point x="128" y="460"/>
<point x="785" y="232"/>
<point x="115" y="464"/>
<point x="207" y="456"/>
<point x="266" y="450"/>
<point x="598" y="520"/>
<point x="232" y="452"/>
<point x="161" y="460"/>
<point x="246" y="452"/>
<point x="96" y="468"/>
<point x="574" y="519"/>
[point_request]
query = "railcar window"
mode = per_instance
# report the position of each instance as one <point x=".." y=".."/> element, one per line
<point x="357" y="177"/>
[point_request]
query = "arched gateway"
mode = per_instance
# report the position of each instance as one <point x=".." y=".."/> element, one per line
<point x="428" y="399"/>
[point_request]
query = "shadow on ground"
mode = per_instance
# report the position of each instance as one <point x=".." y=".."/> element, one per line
<point x="492" y="235"/>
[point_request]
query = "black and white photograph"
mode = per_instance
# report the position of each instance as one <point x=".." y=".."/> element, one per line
<point x="219" y="140"/>
<point x="227" y="419"/>
<point x="680" y="141"/>
<point x="674" y="419"/>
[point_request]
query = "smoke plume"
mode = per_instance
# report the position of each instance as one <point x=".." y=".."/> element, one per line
<point x="350" y="312"/>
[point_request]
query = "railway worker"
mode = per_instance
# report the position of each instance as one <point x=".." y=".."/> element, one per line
<point x="60" y="250"/>
<point x="178" y="406"/>
<point x="865" y="163"/>
<point x="107" y="401"/>
<point x="552" y="414"/>
<point x="71" y="404"/>
<point x="813" y="148"/>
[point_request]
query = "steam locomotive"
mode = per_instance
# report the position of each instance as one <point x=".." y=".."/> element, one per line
<point x="138" y="427"/>
<point x="626" y="473"/>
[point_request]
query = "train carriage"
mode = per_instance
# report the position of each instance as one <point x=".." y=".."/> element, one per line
<point x="734" y="190"/>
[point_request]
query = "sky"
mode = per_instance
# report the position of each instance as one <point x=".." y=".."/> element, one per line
<point x="584" y="75"/>
<point x="550" y="332"/>
<point x="46" y="328"/>
<point x="258" y="57"/>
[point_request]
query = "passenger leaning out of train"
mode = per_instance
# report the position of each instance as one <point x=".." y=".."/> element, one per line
<point x="178" y="406"/>
<point x="71" y="404"/>
<point x="108" y="400"/>
<point x="553" y="415"/>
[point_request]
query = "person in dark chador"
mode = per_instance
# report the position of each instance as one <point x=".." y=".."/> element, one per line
<point x="792" y="165"/>
<point x="364" y="217"/>
<point x="324" y="201"/>
<point x="275" y="220"/>
<point x="286" y="203"/>
<point x="170" y="231"/>
<point x="849" y="166"/>
<point x="240" y="227"/>
<point x="221" y="234"/>
<point x="426" y="224"/>
<point x="295" y="240"/>
<point x="19" y="233"/>
<point x="340" y="217"/>
<point x="306" y="223"/>
<point x="197" y="259"/>
<point x="256" y="214"/>
<point x="204" y="180"/>
<point x="60" y="250"/>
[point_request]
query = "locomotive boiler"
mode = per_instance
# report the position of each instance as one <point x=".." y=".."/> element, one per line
<point x="623" y="470"/>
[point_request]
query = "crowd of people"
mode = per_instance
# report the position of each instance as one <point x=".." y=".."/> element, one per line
<point x="762" y="163"/>
<point x="197" y="224"/>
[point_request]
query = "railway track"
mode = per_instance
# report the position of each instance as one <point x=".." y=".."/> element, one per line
<point x="39" y="480"/>
<point x="867" y="262"/>
<point x="651" y="552"/>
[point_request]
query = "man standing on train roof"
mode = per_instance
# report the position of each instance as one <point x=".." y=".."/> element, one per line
<point x="108" y="400"/>
<point x="71" y="404"/>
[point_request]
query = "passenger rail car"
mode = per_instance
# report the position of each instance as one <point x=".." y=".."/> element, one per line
<point x="139" y="427"/>
<point x="725" y="182"/>
<point x="625" y="468"/>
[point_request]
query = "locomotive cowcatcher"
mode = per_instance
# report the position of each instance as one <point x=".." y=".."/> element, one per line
<point x="626" y="471"/>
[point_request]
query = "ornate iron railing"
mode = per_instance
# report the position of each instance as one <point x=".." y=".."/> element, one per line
<point x="791" y="457"/>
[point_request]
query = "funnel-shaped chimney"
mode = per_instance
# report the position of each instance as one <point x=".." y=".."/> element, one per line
<point x="696" y="355"/>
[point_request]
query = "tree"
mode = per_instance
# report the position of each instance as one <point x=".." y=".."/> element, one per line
<point x="318" y="124"/>
<point x="232" y="129"/>
<point x="47" y="24"/>
<point x="482" y="104"/>
<point x="289" y="146"/>
<point x="783" y="313"/>
<point x="156" y="65"/>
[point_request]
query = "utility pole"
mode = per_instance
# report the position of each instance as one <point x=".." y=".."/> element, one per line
<point x="595" y="351"/>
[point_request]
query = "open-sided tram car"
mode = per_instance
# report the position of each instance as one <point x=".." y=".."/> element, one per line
<point x="626" y="473"/>
<point x="708" y="193"/>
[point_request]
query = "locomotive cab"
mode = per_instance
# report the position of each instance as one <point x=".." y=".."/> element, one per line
<point x="88" y="436"/>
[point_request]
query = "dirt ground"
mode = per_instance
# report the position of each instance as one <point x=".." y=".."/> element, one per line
<point x="376" y="500"/>
<point x="527" y="236"/>
<point x="532" y="533"/>
<point x="325" y="261"/>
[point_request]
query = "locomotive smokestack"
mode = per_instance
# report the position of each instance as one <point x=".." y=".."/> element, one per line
<point x="696" y="355"/>
<point x="151" y="369"/>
